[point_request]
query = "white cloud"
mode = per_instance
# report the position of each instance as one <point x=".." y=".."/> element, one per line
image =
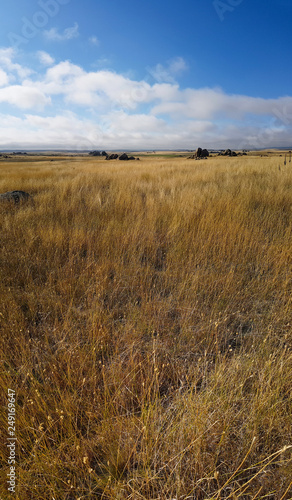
<point x="122" y="131"/>
<point x="207" y="103"/>
<point x="134" y="124"/>
<point x="6" y="61"/>
<point x="45" y="58"/>
<point x="69" y="33"/>
<point x="4" y="79"/>
<point x="94" y="40"/>
<point x="65" y="72"/>
<point x="114" y="111"/>
<point x="111" y="88"/>
<point x="100" y="88"/>
<point x="24" y="97"/>
<point x="169" y="73"/>
<point x="62" y="131"/>
<point x="102" y="62"/>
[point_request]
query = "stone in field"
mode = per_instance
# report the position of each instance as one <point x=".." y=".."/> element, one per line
<point x="124" y="156"/>
<point x="201" y="153"/>
<point x="228" y="152"/>
<point x="15" y="196"/>
<point x="113" y="156"/>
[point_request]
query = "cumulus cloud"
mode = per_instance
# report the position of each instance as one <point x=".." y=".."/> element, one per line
<point x="63" y="73"/>
<point x="4" y="79"/>
<point x="94" y="40"/>
<point x="74" y="108"/>
<point x="208" y="103"/>
<point x="105" y="88"/>
<point x="120" y="130"/>
<point x="60" y="131"/>
<point x="6" y="61"/>
<point x="134" y="124"/>
<point x="45" y="58"/>
<point x="112" y="88"/>
<point x="69" y="33"/>
<point x="169" y="73"/>
<point x="24" y="97"/>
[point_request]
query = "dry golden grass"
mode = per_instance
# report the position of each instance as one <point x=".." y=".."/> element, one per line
<point x="145" y="315"/>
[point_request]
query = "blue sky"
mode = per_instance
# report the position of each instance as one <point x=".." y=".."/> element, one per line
<point x="145" y="75"/>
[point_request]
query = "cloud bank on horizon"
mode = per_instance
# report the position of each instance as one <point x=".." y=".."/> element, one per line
<point x="61" y="105"/>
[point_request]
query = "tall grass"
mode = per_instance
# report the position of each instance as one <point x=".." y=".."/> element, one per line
<point x="145" y="315"/>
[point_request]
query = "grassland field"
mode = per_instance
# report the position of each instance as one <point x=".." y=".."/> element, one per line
<point x="146" y="327"/>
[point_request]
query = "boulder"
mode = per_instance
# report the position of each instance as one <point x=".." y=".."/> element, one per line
<point x="228" y="152"/>
<point x="15" y="196"/>
<point x="201" y="153"/>
<point x="94" y="153"/>
<point x="124" y="157"/>
<point x="113" y="156"/>
<point x="98" y="153"/>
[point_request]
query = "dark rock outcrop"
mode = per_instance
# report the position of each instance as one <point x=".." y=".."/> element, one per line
<point x="94" y="153"/>
<point x="124" y="157"/>
<point x="15" y="196"/>
<point x="98" y="153"/>
<point x="228" y="152"/>
<point x="113" y="156"/>
<point x="201" y="153"/>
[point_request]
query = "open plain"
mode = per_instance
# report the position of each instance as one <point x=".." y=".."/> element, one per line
<point x="146" y="327"/>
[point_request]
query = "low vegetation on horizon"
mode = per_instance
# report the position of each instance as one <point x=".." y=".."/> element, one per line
<point x="146" y="320"/>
